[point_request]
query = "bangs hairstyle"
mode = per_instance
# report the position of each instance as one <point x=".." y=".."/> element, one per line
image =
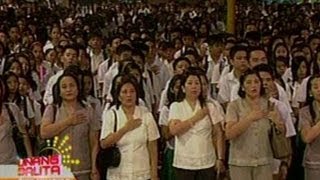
<point x="243" y="77"/>
<point x="57" y="99"/>
<point x="191" y="72"/>
<point x="124" y="80"/>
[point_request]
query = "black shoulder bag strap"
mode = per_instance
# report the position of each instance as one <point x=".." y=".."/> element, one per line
<point x="115" y="121"/>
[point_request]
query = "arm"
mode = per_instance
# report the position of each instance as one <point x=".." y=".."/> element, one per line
<point x="219" y="141"/>
<point x="178" y="127"/>
<point x="309" y="134"/>
<point x="49" y="130"/>
<point x="113" y="138"/>
<point x="94" y="145"/>
<point x="153" y="154"/>
<point x="236" y="128"/>
<point x="166" y="132"/>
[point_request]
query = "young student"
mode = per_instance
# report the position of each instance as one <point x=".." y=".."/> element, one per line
<point x="69" y="57"/>
<point x="239" y="61"/>
<point x="31" y="109"/>
<point x="180" y="65"/>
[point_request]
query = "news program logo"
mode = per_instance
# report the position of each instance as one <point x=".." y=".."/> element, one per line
<point x="51" y="165"/>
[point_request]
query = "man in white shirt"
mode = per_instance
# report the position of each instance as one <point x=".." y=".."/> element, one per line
<point x="124" y="53"/>
<point x="105" y="66"/>
<point x="69" y="57"/>
<point x="238" y="58"/>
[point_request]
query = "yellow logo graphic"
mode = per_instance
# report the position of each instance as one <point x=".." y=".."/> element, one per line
<point x="61" y="147"/>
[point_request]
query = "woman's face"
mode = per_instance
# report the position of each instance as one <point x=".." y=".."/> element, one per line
<point x="13" y="84"/>
<point x="55" y="33"/>
<point x="192" y="87"/>
<point x="281" y="67"/>
<point x="15" y="68"/>
<point x="128" y="95"/>
<point x="302" y="70"/>
<point x="315" y="89"/>
<point x="281" y="51"/>
<point x="23" y="87"/>
<point x="192" y="59"/>
<point x="52" y="56"/>
<point x="252" y="85"/>
<point x="87" y="85"/>
<point x="181" y="67"/>
<point x="37" y="52"/>
<point x="68" y="88"/>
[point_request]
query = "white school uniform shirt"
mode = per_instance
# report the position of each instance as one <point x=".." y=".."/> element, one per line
<point x="163" y="97"/>
<point x="164" y="121"/>
<point x="108" y="78"/>
<point x="103" y="69"/>
<point x="226" y="85"/>
<point x="302" y="91"/>
<point x="48" y="95"/>
<point x="135" y="159"/>
<point x="194" y="149"/>
<point x="47" y="46"/>
<point x="296" y="86"/>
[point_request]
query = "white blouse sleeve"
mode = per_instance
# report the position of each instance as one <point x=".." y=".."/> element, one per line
<point x="152" y="129"/>
<point x="164" y="116"/>
<point x="174" y="111"/>
<point x="108" y="121"/>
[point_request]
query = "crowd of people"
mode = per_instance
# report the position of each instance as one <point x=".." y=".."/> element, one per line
<point x="179" y="96"/>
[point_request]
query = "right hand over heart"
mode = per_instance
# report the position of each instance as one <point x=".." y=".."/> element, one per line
<point x="256" y="114"/>
<point x="133" y="124"/>
<point x="201" y="113"/>
<point x="77" y="117"/>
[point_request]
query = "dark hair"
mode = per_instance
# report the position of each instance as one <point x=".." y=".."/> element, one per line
<point x="8" y="64"/>
<point x="31" y="82"/>
<point x="87" y="73"/>
<point x="128" y="69"/>
<point x="255" y="48"/>
<point x="191" y="72"/>
<point x="176" y="61"/>
<point x="243" y="77"/>
<point x="124" y="80"/>
<point x="57" y="100"/>
<point x="296" y="62"/>
<point x="6" y="76"/>
<point x="170" y="93"/>
<point x="264" y="68"/>
<point x="122" y="48"/>
<point x="236" y="49"/>
<point x="73" y="47"/>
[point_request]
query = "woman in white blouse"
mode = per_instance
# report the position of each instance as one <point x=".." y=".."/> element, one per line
<point x="136" y="134"/>
<point x="189" y="121"/>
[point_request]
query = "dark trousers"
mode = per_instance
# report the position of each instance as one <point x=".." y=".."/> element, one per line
<point x="202" y="174"/>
